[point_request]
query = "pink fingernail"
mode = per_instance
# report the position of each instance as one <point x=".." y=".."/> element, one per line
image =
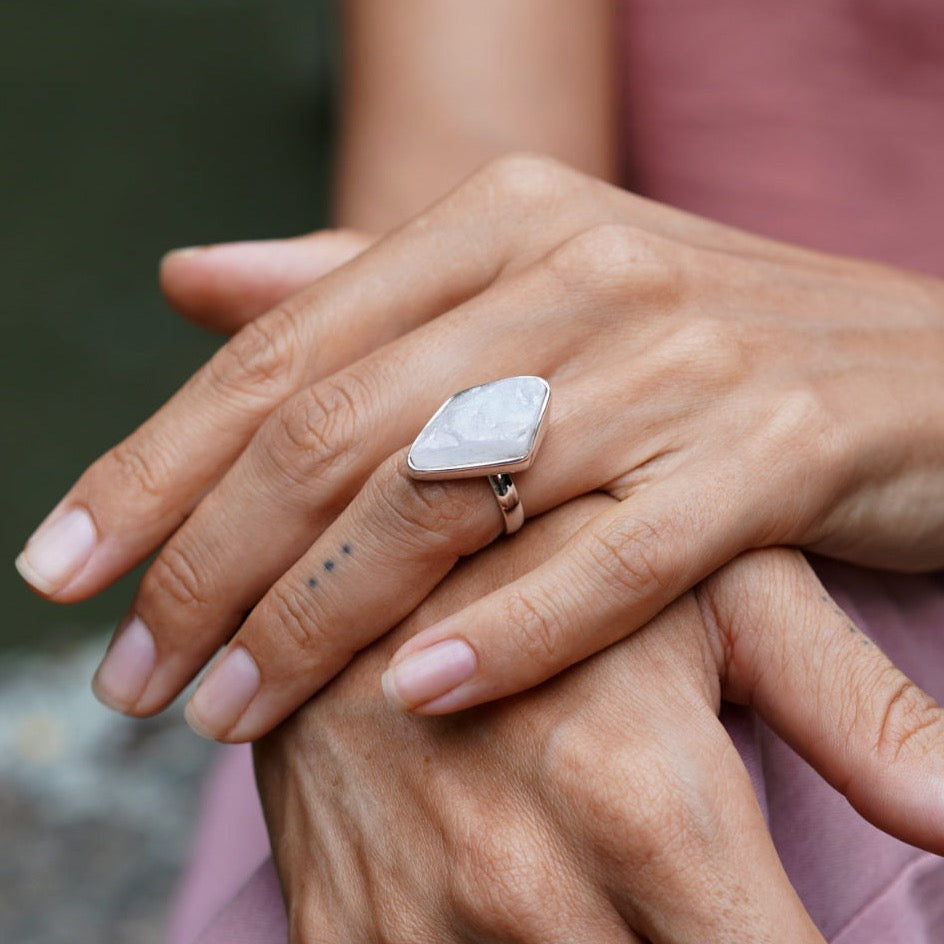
<point x="224" y="694"/>
<point x="57" y="551"/>
<point x="182" y="252"/>
<point x="127" y="666"/>
<point x="429" y="673"/>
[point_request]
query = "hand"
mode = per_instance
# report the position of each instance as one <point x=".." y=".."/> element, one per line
<point x="606" y="804"/>
<point x="730" y="392"/>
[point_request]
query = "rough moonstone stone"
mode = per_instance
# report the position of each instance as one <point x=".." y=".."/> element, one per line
<point x="490" y="428"/>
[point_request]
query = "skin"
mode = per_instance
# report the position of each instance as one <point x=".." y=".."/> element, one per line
<point x="137" y="498"/>
<point x="778" y="642"/>
<point x="440" y="87"/>
<point x="607" y="805"/>
<point x="296" y="384"/>
<point x="728" y="391"/>
<point x="597" y="785"/>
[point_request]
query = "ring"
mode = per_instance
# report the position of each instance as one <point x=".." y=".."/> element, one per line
<point x="493" y="429"/>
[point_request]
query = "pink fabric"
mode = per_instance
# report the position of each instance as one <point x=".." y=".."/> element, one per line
<point x="820" y="122"/>
<point x="816" y="121"/>
<point x="229" y="846"/>
<point x="255" y="914"/>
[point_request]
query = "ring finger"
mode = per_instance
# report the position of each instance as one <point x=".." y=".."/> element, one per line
<point x="392" y="545"/>
<point x="297" y="474"/>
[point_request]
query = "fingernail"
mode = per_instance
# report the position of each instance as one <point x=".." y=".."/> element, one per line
<point x="224" y="694"/>
<point x="127" y="666"/>
<point x="429" y="673"/>
<point x="57" y="551"/>
<point x="182" y="252"/>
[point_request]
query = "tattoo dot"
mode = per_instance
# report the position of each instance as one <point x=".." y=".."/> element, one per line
<point x="346" y="549"/>
<point x="329" y="565"/>
<point x="312" y="582"/>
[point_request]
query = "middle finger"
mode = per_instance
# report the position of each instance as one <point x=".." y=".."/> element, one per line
<point x="307" y="463"/>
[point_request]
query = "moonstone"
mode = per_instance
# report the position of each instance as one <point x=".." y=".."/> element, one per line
<point x="487" y="429"/>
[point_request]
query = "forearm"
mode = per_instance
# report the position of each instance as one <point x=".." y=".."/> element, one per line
<point x="434" y="88"/>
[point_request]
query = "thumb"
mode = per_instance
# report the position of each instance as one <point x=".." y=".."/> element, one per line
<point x="223" y="287"/>
<point x="786" y="648"/>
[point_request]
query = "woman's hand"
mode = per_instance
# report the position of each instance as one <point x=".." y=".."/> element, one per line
<point x="607" y="803"/>
<point x="730" y="392"/>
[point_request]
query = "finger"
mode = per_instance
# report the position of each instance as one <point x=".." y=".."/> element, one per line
<point x="376" y="562"/>
<point x="309" y="459"/>
<point x="824" y="687"/>
<point x="368" y="570"/>
<point x="140" y="491"/>
<point x="225" y="286"/>
<point x="306" y="464"/>
<point x="613" y="576"/>
<point x="675" y="830"/>
<point x="701" y="867"/>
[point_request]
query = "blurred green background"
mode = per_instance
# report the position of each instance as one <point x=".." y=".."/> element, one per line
<point x="128" y="127"/>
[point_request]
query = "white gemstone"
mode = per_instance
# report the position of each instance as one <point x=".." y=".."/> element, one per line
<point x="491" y="428"/>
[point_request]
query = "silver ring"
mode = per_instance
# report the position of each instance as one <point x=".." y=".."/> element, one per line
<point x="493" y="429"/>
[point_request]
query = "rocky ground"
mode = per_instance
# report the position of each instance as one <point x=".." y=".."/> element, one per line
<point x="95" y="809"/>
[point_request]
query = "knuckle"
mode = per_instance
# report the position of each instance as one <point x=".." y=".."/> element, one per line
<point x="432" y="517"/>
<point x="569" y="752"/>
<point x="257" y="364"/>
<point x="536" y="626"/>
<point x="800" y="415"/>
<point x="293" y="615"/>
<point x="138" y="470"/>
<point x="174" y="574"/>
<point x="707" y="353"/>
<point x="522" y="179"/>
<point x="911" y="722"/>
<point x="316" y="430"/>
<point x="670" y="826"/>
<point x="501" y="879"/>
<point x="619" y="259"/>
<point x="799" y="421"/>
<point x="597" y="254"/>
<point x="643" y="811"/>
<point x="625" y="556"/>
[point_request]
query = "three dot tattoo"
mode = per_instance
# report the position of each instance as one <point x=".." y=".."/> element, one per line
<point x="329" y="565"/>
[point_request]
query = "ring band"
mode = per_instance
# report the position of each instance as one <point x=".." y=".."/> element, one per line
<point x="493" y="429"/>
<point x="508" y="501"/>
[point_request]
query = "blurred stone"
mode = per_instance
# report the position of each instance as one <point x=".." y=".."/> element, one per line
<point x="96" y="809"/>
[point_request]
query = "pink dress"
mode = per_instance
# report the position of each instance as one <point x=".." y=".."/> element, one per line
<point x="820" y="122"/>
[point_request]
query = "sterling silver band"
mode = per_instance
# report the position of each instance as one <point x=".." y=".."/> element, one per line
<point x="508" y="502"/>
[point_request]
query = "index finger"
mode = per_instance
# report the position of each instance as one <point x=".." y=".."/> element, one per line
<point x="139" y="492"/>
